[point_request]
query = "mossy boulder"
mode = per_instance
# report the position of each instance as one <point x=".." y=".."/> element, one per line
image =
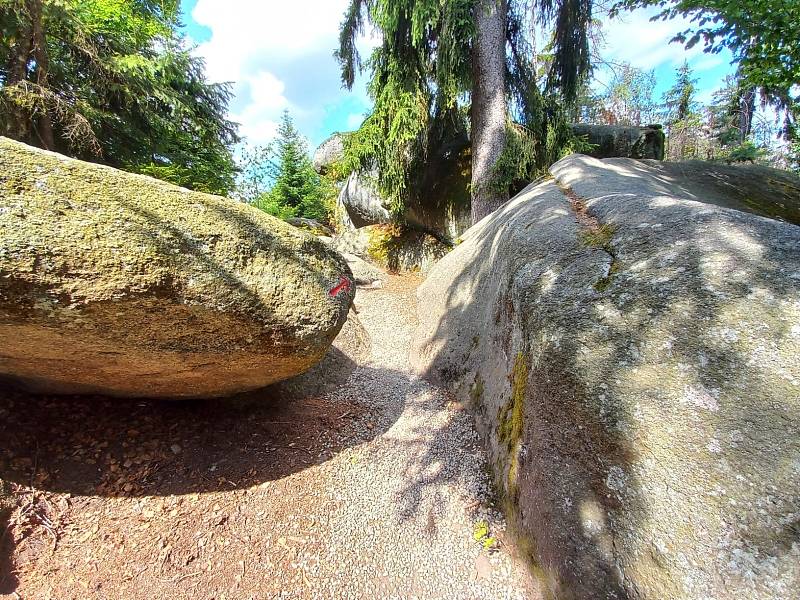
<point x="623" y="140"/>
<point x="120" y="284"/>
<point x="631" y="354"/>
<point x="392" y="247"/>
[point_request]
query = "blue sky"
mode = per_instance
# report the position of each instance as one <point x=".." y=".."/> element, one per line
<point x="279" y="55"/>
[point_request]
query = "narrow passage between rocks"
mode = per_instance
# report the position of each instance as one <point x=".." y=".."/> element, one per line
<point x="376" y="487"/>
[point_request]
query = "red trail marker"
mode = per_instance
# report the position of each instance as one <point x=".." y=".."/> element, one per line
<point x="342" y="286"/>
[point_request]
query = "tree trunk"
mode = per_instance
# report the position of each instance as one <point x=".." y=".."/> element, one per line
<point x="489" y="109"/>
<point x="747" y="106"/>
<point x="44" y="125"/>
<point x="18" y="122"/>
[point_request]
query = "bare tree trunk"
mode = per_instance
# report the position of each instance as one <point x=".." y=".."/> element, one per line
<point x="489" y="109"/>
<point x="747" y="107"/>
<point x="44" y="124"/>
<point x="18" y="72"/>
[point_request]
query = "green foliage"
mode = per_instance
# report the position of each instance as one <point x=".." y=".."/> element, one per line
<point x="529" y="152"/>
<point x="725" y="113"/>
<point x="762" y="35"/>
<point x="629" y="98"/>
<point x="679" y="100"/>
<point x="422" y="76"/>
<point x="280" y="179"/>
<point x="794" y="149"/>
<point x="111" y="81"/>
<point x="257" y="172"/>
<point x="744" y="152"/>
<point x="271" y="205"/>
<point x="682" y="117"/>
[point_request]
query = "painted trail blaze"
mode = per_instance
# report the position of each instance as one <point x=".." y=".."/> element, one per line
<point x="342" y="286"/>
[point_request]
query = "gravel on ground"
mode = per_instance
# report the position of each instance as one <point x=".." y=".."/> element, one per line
<point x="377" y="488"/>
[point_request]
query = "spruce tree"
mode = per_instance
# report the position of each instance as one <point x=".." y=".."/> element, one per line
<point x="112" y="81"/>
<point x="442" y="62"/>
<point x="297" y="190"/>
<point x="681" y="116"/>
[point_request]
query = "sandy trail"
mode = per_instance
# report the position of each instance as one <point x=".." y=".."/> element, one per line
<point x="372" y="489"/>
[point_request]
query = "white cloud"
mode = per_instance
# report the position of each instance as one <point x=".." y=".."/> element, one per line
<point x="278" y="55"/>
<point x="634" y="38"/>
<point x="354" y="120"/>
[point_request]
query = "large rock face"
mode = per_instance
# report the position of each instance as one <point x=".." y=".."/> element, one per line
<point x="328" y="153"/>
<point x="632" y="358"/>
<point x="443" y="211"/>
<point x="362" y="201"/>
<point x="623" y="141"/>
<point x="392" y="248"/>
<point x="125" y="285"/>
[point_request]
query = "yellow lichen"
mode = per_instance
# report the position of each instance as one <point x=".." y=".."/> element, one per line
<point x="511" y="414"/>
<point x="511" y="418"/>
<point x="381" y="239"/>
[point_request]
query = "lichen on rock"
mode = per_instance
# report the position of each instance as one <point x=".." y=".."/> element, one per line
<point x="122" y="284"/>
<point x="653" y="450"/>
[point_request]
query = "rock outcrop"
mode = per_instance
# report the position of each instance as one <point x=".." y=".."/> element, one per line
<point x="631" y="355"/>
<point x="392" y="248"/>
<point x="362" y="201"/>
<point x="623" y="141"/>
<point x="329" y="152"/>
<point x="310" y="225"/>
<point x="444" y="211"/>
<point x="120" y="284"/>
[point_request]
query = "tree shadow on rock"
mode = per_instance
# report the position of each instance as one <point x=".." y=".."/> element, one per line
<point x="622" y="367"/>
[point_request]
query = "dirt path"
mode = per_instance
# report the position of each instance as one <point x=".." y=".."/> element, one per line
<point x="373" y="488"/>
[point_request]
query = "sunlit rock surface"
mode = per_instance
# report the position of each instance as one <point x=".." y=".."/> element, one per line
<point x="631" y="353"/>
<point x="124" y="285"/>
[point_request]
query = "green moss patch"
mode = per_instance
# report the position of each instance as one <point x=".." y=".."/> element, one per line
<point x="603" y="284"/>
<point x="599" y="236"/>
<point x="511" y="419"/>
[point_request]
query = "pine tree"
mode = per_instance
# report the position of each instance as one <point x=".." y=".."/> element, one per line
<point x="681" y="116"/>
<point x="297" y="190"/>
<point x="112" y="81"/>
<point x="295" y="176"/>
<point x="442" y="62"/>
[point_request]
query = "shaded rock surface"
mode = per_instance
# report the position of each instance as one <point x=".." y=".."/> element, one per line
<point x="631" y="357"/>
<point x="125" y="285"/>
<point x="310" y="225"/>
<point x="364" y="273"/>
<point x="443" y="208"/>
<point x="623" y="141"/>
<point x="392" y="249"/>
<point x="758" y="189"/>
<point x="362" y="202"/>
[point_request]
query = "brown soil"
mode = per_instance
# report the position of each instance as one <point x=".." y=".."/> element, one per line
<point x="149" y="499"/>
<point x="354" y="480"/>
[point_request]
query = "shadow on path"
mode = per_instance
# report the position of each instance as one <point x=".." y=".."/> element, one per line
<point x="119" y="447"/>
